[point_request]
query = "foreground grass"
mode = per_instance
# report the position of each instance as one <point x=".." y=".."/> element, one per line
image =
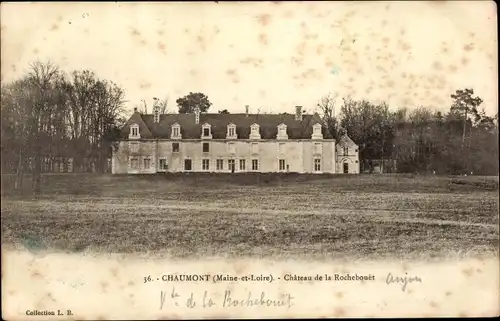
<point x="351" y="217"/>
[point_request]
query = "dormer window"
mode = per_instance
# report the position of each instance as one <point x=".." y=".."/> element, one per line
<point x="255" y="131"/>
<point x="134" y="132"/>
<point x="231" y="131"/>
<point x="176" y="131"/>
<point x="282" y="132"/>
<point x="206" y="131"/>
<point x="317" y="134"/>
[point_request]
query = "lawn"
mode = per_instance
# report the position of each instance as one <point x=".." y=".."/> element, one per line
<point x="277" y="216"/>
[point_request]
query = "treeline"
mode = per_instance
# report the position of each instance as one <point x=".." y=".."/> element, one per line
<point x="463" y="140"/>
<point x="48" y="114"/>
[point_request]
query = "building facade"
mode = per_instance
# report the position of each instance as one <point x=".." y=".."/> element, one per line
<point x="231" y="143"/>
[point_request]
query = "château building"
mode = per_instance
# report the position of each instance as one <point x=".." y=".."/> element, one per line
<point x="231" y="143"/>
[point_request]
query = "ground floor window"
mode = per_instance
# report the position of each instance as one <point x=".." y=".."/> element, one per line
<point x="220" y="164"/>
<point x="242" y="164"/>
<point x="205" y="164"/>
<point x="282" y="165"/>
<point x="134" y="163"/>
<point x="147" y="163"/>
<point x="187" y="164"/>
<point x="255" y="164"/>
<point x="163" y="164"/>
<point x="317" y="165"/>
<point x="230" y="165"/>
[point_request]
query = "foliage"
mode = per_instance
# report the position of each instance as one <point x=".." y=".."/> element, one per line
<point x="48" y="114"/>
<point x="462" y="141"/>
<point x="224" y="111"/>
<point x="190" y="102"/>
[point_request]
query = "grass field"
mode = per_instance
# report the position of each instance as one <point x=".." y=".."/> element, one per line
<point x="277" y="216"/>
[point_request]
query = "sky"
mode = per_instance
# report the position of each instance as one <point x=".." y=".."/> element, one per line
<point x="270" y="56"/>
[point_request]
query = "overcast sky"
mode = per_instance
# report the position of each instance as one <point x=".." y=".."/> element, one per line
<point x="269" y="56"/>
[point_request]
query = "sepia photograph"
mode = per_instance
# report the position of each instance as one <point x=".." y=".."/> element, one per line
<point x="176" y="160"/>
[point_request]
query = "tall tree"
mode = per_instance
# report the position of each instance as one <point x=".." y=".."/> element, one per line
<point x="43" y="76"/>
<point x="326" y="106"/>
<point x="47" y="116"/>
<point x="464" y="103"/>
<point x="190" y="102"/>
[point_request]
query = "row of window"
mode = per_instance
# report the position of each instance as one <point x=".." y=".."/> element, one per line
<point x="134" y="148"/>
<point x="231" y="131"/>
<point x="219" y="164"/>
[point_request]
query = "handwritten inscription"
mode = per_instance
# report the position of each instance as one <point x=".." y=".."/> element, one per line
<point x="229" y="300"/>
<point x="404" y="281"/>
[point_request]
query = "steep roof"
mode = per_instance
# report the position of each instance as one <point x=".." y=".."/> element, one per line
<point x="346" y="141"/>
<point x="189" y="129"/>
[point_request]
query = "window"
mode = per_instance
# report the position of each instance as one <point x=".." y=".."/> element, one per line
<point x="187" y="164"/>
<point x="175" y="147"/>
<point x="242" y="164"/>
<point x="255" y="148"/>
<point x="134" y="147"/>
<point x="282" y="164"/>
<point x="206" y="148"/>
<point x="134" y="163"/>
<point x="134" y="131"/>
<point x="176" y="131"/>
<point x="231" y="147"/>
<point x="147" y="163"/>
<point x="231" y="131"/>
<point x="317" y="165"/>
<point x="255" y="164"/>
<point x="206" y="132"/>
<point x="205" y="164"/>
<point x="230" y="165"/>
<point x="220" y="164"/>
<point x="163" y="164"/>
<point x="346" y="150"/>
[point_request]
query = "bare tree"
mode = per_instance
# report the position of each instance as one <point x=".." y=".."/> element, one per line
<point x="43" y="77"/>
<point x="326" y="106"/>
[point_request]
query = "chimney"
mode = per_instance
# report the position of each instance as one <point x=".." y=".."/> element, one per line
<point x="298" y="113"/>
<point x="156" y="111"/>
<point x="196" y="116"/>
<point x="246" y="110"/>
<point x="157" y="114"/>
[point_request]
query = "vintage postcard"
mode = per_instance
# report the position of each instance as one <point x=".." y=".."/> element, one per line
<point x="249" y="160"/>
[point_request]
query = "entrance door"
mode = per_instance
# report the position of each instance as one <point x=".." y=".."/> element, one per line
<point x="187" y="164"/>
<point x="231" y="165"/>
<point x="346" y="168"/>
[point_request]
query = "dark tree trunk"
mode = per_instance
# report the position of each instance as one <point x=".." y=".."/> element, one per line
<point x="18" y="185"/>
